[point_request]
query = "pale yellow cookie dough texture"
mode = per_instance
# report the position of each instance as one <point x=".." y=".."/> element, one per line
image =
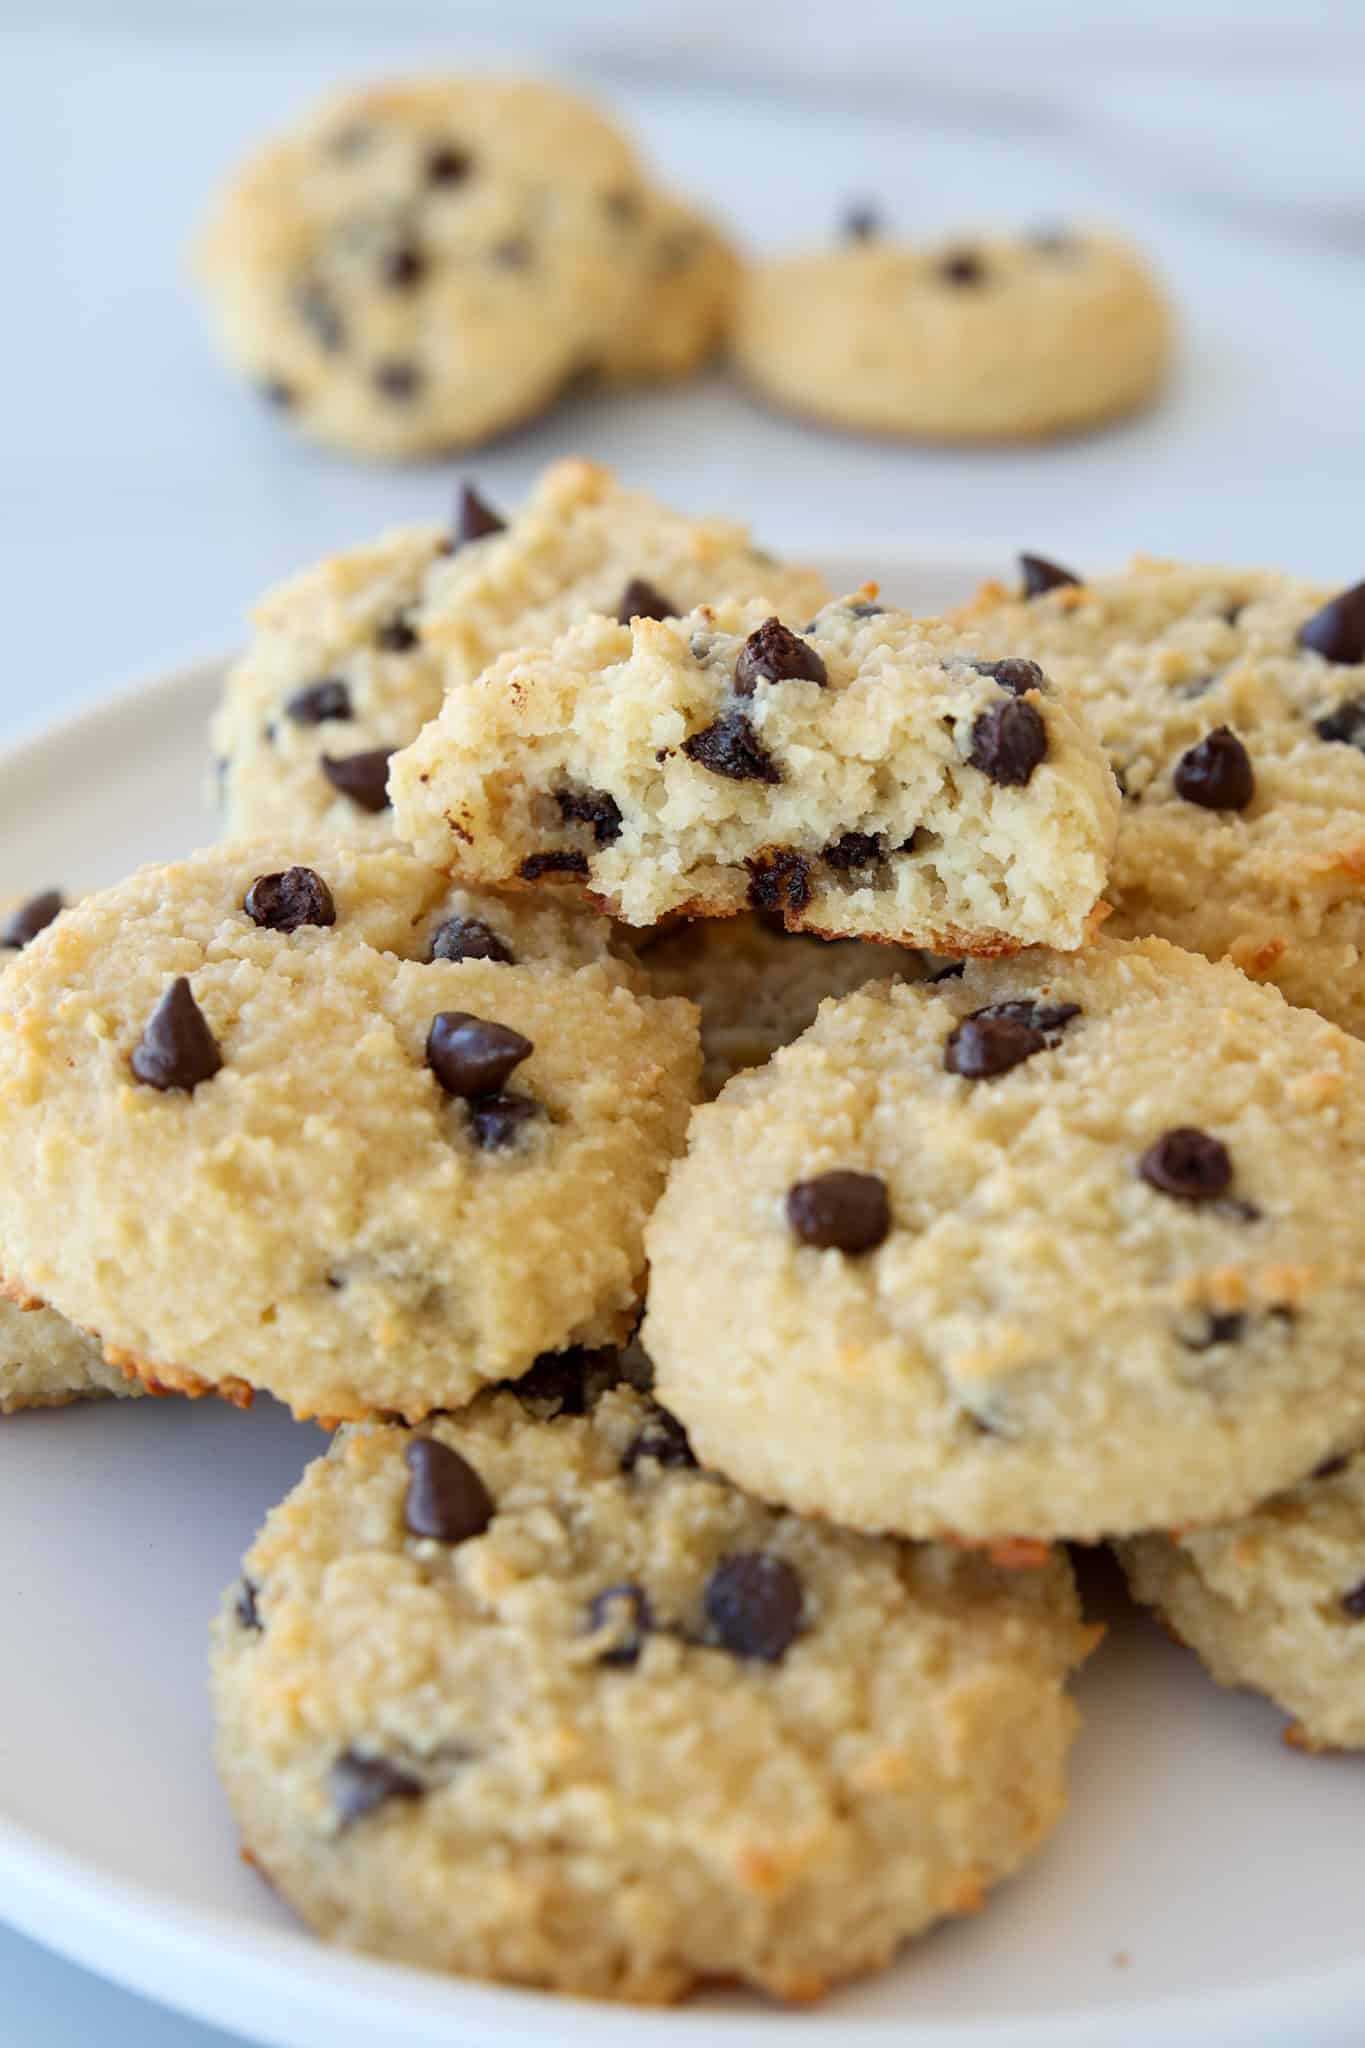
<point x="416" y="266"/>
<point x="301" y="1195"/>
<point x="348" y="660"/>
<point x="1232" y="704"/>
<point x="1276" y="1601"/>
<point x="1063" y="1247"/>
<point x="864" y="777"/>
<point x="611" y="1728"/>
<point x="990" y="337"/>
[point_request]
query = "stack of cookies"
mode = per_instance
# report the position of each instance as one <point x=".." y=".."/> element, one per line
<point x="1014" y="962"/>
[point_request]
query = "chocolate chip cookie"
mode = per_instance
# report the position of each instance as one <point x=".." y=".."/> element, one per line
<point x="536" y="1699"/>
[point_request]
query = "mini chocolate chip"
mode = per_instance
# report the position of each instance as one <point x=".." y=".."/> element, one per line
<point x="1346" y="723"/>
<point x="641" y="600"/>
<point x="1049" y="1018"/>
<point x="593" y="807"/>
<point x="732" y="748"/>
<point x="774" y="653"/>
<point x="475" y="518"/>
<point x="779" y="881"/>
<point x="663" y="1439"/>
<point x="471" y="1055"/>
<point x="358" y="1784"/>
<point x="1039" y="575"/>
<point x="853" y="850"/>
<point x="624" y="1609"/>
<point x="318" y="311"/>
<point x="1052" y="241"/>
<point x="402" y="268"/>
<point x="446" y="1499"/>
<point x="566" y="862"/>
<point x="865" y="609"/>
<point x="284" y="902"/>
<point x="962" y="267"/>
<point x="469" y="938"/>
<point x="176" y="1049"/>
<point x="1188" y="1164"/>
<point x="315" y="703"/>
<point x="495" y="1120"/>
<point x="1337" y="631"/>
<point x="568" y="1382"/>
<point x="397" y="636"/>
<point x="1218" y="1329"/>
<point x="1198" y="686"/>
<point x="1330" y="1467"/>
<point x="276" y="392"/>
<point x="30" y="918"/>
<point x="986" y="1045"/>
<point x="364" y="778"/>
<point x="861" y="223"/>
<point x="512" y="253"/>
<point x="753" y="1602"/>
<point x="1216" y="773"/>
<point x="1354" y="1602"/>
<point x="1008" y="742"/>
<point x="954" y="971"/>
<point x="247" y="1613"/>
<point x="1014" y="674"/>
<point x="622" y="205"/>
<point x="840" y="1211"/>
<point x="448" y="164"/>
<point x="396" y="380"/>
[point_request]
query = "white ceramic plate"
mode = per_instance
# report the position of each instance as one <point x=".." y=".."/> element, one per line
<point x="1204" y="1889"/>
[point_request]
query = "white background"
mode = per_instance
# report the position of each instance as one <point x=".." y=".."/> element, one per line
<point x="145" y="499"/>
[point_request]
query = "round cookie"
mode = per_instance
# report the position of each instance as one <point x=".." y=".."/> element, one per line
<point x="419" y="265"/>
<point x="349" y="660"/>
<point x="690" y="276"/>
<point x="1232" y="704"/>
<point x="758" y="986"/>
<point x="1056" y="1248"/>
<point x="537" y="1700"/>
<point x="989" y="337"/>
<point x="1275" y="1600"/>
<point x="257" y="1136"/>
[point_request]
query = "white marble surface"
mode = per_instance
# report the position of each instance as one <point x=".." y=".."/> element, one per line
<point x="144" y="499"/>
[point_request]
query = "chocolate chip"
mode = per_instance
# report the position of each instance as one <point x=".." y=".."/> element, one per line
<point x="396" y="380"/>
<point x="475" y="519"/>
<point x="446" y="1499"/>
<point x="774" y="653"/>
<point x="245" y="1608"/>
<point x="954" y="971"/>
<point x="1354" y="1602"/>
<point x="593" y="807"/>
<point x="469" y="938"/>
<point x="962" y="267"/>
<point x="1330" y="1467"/>
<point x="1216" y="773"/>
<point x="640" y="600"/>
<point x="315" y="703"/>
<point x="992" y="1040"/>
<point x="564" y="863"/>
<point x="512" y="253"/>
<point x="622" y="206"/>
<point x="1013" y="674"/>
<point x="1039" y="575"/>
<point x="397" y="636"/>
<point x="403" y="267"/>
<point x="1337" y="631"/>
<point x="753" y="1602"/>
<point x="319" y="313"/>
<point x="176" y="1049"/>
<point x="1188" y="1164"/>
<point x="364" y="778"/>
<point x="1052" y="241"/>
<point x="861" y="223"/>
<point x="1346" y="723"/>
<point x="865" y="609"/>
<point x="779" y="881"/>
<point x="276" y="392"/>
<point x="1218" y="1329"/>
<point x="663" y="1439"/>
<point x="284" y="902"/>
<point x="30" y="918"/>
<point x="1049" y="1018"/>
<point x="853" y="850"/>
<point x="472" y="1056"/>
<point x="568" y="1382"/>
<point x="1008" y="742"/>
<point x="625" y="1610"/>
<point x="495" y="1120"/>
<point x="840" y="1211"/>
<point x="358" y="1784"/>
<point x="732" y="748"/>
<point x="448" y="164"/>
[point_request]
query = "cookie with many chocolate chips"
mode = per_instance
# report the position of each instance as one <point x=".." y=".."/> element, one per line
<point x="861" y="775"/>
<point x="349" y="659"/>
<point x="1000" y="337"/>
<point x="519" y="1640"/>
<point x="1275" y="1600"/>
<point x="1055" y="1248"/>
<point x="260" y="1154"/>
<point x="419" y="265"/>
<point x="1232" y="705"/>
